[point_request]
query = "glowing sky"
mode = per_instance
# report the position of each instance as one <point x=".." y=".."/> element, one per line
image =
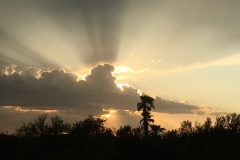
<point x="186" y="52"/>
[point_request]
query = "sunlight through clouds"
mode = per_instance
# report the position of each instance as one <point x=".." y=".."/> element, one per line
<point x="84" y="77"/>
<point x="230" y="60"/>
<point x="78" y="57"/>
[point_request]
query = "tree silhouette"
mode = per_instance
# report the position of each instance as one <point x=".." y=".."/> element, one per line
<point x="92" y="126"/>
<point x="233" y="122"/>
<point x="124" y="131"/>
<point x="41" y="125"/>
<point x="146" y="105"/>
<point x="201" y="141"/>
<point x="137" y="132"/>
<point x="156" y="130"/>
<point x="229" y="122"/>
<point x="220" y="123"/>
<point x="58" y="127"/>
<point x="171" y="134"/>
<point x="207" y="126"/>
<point x="37" y="128"/>
<point x="186" y="128"/>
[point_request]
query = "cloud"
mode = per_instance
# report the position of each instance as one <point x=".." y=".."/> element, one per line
<point x="60" y="90"/>
<point x="88" y="30"/>
<point x="14" y="51"/>
<point x="12" y="117"/>
<point x="169" y="106"/>
<point x="229" y="60"/>
<point x="179" y="34"/>
<point x="31" y="71"/>
<point x="27" y="94"/>
<point x="219" y="113"/>
<point x="102" y="21"/>
<point x="101" y="76"/>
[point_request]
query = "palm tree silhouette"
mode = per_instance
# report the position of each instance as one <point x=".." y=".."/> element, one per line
<point x="146" y="105"/>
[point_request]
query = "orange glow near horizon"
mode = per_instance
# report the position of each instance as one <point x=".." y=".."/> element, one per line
<point x="109" y="114"/>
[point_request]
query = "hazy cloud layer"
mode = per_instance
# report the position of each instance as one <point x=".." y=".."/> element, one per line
<point x="87" y="30"/>
<point x="180" y="33"/>
<point x="175" y="34"/>
<point x="20" y="53"/>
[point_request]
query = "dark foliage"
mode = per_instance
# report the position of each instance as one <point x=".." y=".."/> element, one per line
<point x="146" y="106"/>
<point x="89" y="139"/>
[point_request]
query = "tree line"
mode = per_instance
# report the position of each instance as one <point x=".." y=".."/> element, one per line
<point x="94" y="125"/>
<point x="91" y="139"/>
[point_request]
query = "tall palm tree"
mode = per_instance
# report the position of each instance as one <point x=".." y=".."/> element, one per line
<point x="146" y="105"/>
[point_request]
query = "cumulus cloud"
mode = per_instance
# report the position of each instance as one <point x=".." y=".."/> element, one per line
<point x="26" y="94"/>
<point x="101" y="76"/>
<point x="60" y="90"/>
<point x="31" y="71"/>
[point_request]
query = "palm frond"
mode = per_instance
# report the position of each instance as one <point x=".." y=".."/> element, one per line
<point x="148" y="108"/>
<point x="151" y="120"/>
<point x="141" y="121"/>
<point x="152" y="106"/>
<point x="140" y="107"/>
<point x="140" y="103"/>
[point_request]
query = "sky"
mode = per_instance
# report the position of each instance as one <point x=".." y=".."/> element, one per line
<point x="76" y="58"/>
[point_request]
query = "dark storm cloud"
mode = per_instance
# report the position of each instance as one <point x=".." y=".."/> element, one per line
<point x="60" y="90"/>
